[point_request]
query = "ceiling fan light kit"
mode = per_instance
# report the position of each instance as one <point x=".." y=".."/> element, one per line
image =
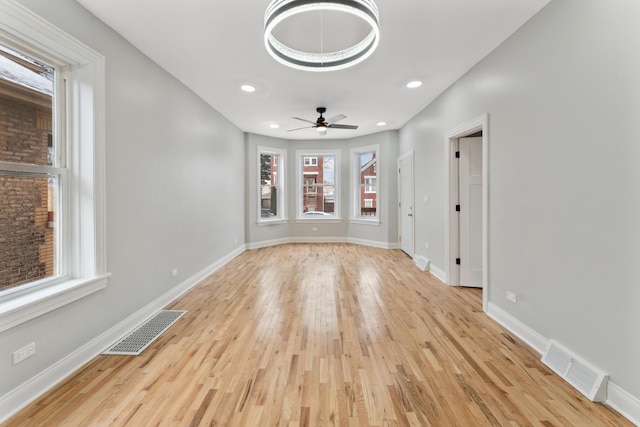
<point x="280" y="10"/>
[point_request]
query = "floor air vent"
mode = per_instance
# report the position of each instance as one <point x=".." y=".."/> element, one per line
<point x="422" y="262"/>
<point x="587" y="379"/>
<point x="138" y="340"/>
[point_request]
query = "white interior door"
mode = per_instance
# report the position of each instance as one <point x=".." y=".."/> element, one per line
<point x="405" y="179"/>
<point x="470" y="181"/>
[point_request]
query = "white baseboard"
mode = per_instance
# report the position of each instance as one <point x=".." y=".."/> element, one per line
<point x="620" y="400"/>
<point x="309" y="239"/>
<point x="29" y="391"/>
<point x="522" y="331"/>
<point x="372" y="243"/>
<point x="623" y="402"/>
<point x="364" y="242"/>
<point x="437" y="272"/>
<point x="267" y="243"/>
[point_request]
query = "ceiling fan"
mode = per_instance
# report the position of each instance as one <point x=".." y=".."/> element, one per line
<point x="321" y="124"/>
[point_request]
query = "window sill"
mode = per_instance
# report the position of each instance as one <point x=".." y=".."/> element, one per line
<point x="25" y="307"/>
<point x="268" y="222"/>
<point x="364" y="221"/>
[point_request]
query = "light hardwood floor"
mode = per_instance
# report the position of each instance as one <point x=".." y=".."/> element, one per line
<point x="323" y="335"/>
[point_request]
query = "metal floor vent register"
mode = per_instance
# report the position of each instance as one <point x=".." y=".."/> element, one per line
<point x="137" y="341"/>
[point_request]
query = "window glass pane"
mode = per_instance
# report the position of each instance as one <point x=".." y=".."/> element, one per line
<point x="367" y="189"/>
<point x="319" y="186"/>
<point x="26" y="117"/>
<point x="269" y="185"/>
<point x="27" y="234"/>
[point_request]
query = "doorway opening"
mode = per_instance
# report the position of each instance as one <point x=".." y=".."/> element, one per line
<point x="467" y="206"/>
<point x="405" y="204"/>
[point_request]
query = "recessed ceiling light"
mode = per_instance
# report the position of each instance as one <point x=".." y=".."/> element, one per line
<point x="274" y="126"/>
<point x="248" y="88"/>
<point x="414" y="84"/>
<point x="381" y="124"/>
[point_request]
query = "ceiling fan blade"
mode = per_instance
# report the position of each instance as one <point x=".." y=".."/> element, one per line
<point x="343" y="126"/>
<point x="304" y="120"/>
<point x="336" y="119"/>
<point x="306" y="127"/>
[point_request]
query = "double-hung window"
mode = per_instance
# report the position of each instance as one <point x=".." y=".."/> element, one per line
<point x="271" y="188"/>
<point x="52" y="246"/>
<point x="365" y="191"/>
<point x="318" y="179"/>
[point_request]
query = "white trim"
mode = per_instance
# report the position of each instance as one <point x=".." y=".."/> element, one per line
<point x="627" y="405"/>
<point x="27" y="392"/>
<point x="267" y="243"/>
<point x="372" y="243"/>
<point x="300" y="154"/>
<point x="620" y="400"/>
<point x="363" y="221"/>
<point x="413" y="200"/>
<point x="525" y="333"/>
<point x="83" y="212"/>
<point x="451" y="240"/>
<point x="267" y="222"/>
<point x="280" y="184"/>
<point x="354" y="183"/>
<point x="439" y="273"/>
<point x="355" y="241"/>
<point x="309" y="239"/>
<point x="331" y="219"/>
<point x="30" y="305"/>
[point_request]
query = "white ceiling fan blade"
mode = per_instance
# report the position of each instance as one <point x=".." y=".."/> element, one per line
<point x="336" y="119"/>
<point x="304" y="120"/>
<point x="306" y="127"/>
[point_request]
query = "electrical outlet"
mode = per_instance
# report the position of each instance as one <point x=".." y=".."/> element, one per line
<point x="174" y="272"/>
<point x="23" y="353"/>
<point x="426" y="245"/>
<point x="512" y="297"/>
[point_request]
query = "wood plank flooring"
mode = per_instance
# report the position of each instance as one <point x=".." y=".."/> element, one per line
<point x="322" y="335"/>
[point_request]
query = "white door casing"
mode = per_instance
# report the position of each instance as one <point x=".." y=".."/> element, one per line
<point x="451" y="241"/>
<point x="405" y="209"/>
<point x="470" y="214"/>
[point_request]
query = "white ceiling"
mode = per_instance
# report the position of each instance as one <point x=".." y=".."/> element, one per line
<point x="215" y="46"/>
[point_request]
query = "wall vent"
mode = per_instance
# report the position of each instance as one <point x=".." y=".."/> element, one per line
<point x="587" y="379"/>
<point x="422" y="262"/>
<point x="142" y="337"/>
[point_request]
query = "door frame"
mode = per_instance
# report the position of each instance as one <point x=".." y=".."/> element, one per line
<point x="452" y="238"/>
<point x="413" y="191"/>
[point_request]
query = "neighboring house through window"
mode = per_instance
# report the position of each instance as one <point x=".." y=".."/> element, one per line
<point x="271" y="176"/>
<point x="52" y="250"/>
<point x="364" y="172"/>
<point x="318" y="178"/>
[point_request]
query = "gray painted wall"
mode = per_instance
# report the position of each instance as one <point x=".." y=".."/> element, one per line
<point x="175" y="195"/>
<point x="385" y="234"/>
<point x="563" y="96"/>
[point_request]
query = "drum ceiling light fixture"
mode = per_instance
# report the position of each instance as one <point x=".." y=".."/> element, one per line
<point x="280" y="10"/>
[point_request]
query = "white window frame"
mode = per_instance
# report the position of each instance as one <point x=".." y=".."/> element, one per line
<point x="313" y="161"/>
<point x="83" y="264"/>
<point x="300" y="156"/>
<point x="280" y="185"/>
<point x="355" y="216"/>
<point x="367" y="184"/>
